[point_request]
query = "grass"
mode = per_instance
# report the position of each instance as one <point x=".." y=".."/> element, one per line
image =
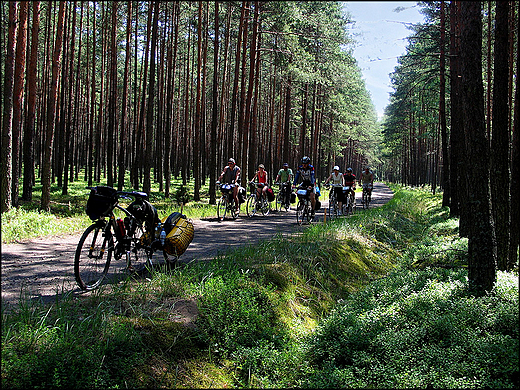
<point x="378" y="299"/>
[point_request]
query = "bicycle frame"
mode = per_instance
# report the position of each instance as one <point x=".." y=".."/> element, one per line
<point x="254" y="205"/>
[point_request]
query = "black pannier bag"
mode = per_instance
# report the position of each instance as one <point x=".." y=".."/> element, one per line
<point x="293" y="197"/>
<point x="101" y="202"/>
<point x="145" y="212"/>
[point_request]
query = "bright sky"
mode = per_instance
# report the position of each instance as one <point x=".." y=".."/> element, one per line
<point x="381" y="37"/>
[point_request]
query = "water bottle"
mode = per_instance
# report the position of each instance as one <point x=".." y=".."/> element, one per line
<point x="163" y="237"/>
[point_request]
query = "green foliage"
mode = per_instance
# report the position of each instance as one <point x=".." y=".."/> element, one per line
<point x="414" y="329"/>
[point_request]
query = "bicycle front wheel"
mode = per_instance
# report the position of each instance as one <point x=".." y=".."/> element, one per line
<point x="265" y="207"/>
<point x="251" y="206"/>
<point x="93" y="255"/>
<point x="279" y="202"/>
<point x="333" y="208"/>
<point x="300" y="210"/>
<point x="222" y="209"/>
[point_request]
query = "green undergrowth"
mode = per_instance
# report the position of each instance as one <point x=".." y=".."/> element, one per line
<point x="375" y="300"/>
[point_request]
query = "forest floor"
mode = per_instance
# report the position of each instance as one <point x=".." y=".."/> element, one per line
<point x="43" y="269"/>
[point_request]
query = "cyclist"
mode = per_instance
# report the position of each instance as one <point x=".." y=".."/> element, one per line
<point x="285" y="175"/>
<point x="350" y="180"/>
<point x="305" y="172"/>
<point x="337" y="178"/>
<point x="367" y="177"/>
<point x="231" y="175"/>
<point x="261" y="174"/>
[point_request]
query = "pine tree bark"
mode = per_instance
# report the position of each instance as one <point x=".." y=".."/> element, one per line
<point x="7" y="122"/>
<point x="150" y="123"/>
<point x="500" y="177"/>
<point x="197" y="144"/>
<point x="456" y="133"/>
<point x="28" y="143"/>
<point x="124" y="102"/>
<point x="18" y="89"/>
<point x="51" y="111"/>
<point x="482" y="250"/>
<point x="442" y="114"/>
<point x="515" y="165"/>
<point x="214" y="114"/>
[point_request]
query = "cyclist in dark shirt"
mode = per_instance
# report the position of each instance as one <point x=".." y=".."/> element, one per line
<point x="350" y="180"/>
<point x="231" y="175"/>
<point x="305" y="173"/>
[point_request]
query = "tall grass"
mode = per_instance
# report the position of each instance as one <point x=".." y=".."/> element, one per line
<point x="377" y="300"/>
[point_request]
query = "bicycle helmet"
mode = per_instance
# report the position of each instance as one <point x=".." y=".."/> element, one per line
<point x="349" y="169"/>
<point x="336" y="168"/>
<point x="306" y="160"/>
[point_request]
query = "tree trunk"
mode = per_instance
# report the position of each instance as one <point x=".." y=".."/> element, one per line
<point x="124" y="101"/>
<point x="197" y="145"/>
<point x="7" y="123"/>
<point x="442" y="115"/>
<point x="500" y="179"/>
<point x="482" y="248"/>
<point x="515" y="167"/>
<point x="28" y="143"/>
<point x="253" y="154"/>
<point x="51" y="111"/>
<point x="150" y="123"/>
<point x="234" y="97"/>
<point x="214" y="115"/>
<point x="456" y="132"/>
<point x="18" y="88"/>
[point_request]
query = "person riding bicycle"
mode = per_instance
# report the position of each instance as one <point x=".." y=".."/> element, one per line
<point x="261" y="174"/>
<point x="305" y="172"/>
<point x="337" y="178"/>
<point x="367" y="181"/>
<point x="284" y="176"/>
<point x="350" y="180"/>
<point x="231" y="175"/>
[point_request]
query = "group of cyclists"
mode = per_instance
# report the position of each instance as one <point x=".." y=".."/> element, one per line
<point x="305" y="178"/>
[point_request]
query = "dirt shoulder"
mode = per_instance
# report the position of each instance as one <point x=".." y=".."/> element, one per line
<point x="43" y="268"/>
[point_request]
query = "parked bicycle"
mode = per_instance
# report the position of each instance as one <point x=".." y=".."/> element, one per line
<point x="283" y="198"/>
<point x="256" y="204"/>
<point x="226" y="204"/>
<point x="334" y="209"/>
<point x="367" y="195"/>
<point x="304" y="207"/>
<point x="135" y="236"/>
<point x="349" y="203"/>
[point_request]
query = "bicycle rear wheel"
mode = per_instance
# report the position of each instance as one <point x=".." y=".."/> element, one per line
<point x="222" y="208"/>
<point x="93" y="254"/>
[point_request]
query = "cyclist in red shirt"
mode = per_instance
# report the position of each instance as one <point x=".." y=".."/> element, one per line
<point x="261" y="174"/>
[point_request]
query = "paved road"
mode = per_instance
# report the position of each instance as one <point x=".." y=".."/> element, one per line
<point x="43" y="267"/>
